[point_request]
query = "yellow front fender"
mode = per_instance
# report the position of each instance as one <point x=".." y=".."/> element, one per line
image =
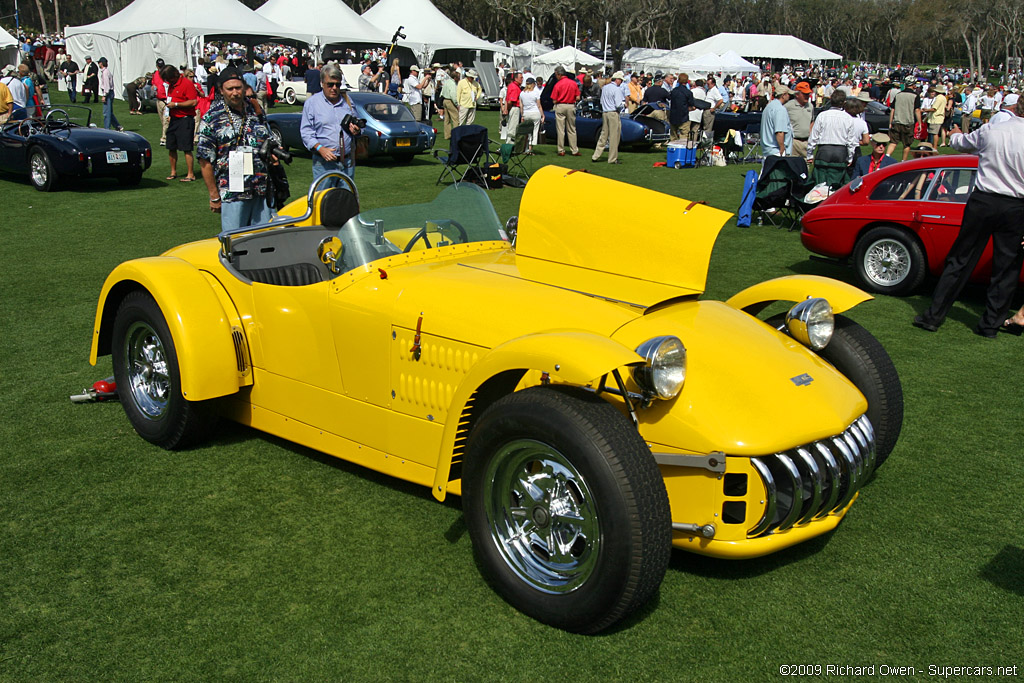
<point x="571" y="356"/>
<point x="199" y="325"/>
<point x="797" y="288"/>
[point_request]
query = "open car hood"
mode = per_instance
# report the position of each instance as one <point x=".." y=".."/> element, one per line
<point x="593" y="234"/>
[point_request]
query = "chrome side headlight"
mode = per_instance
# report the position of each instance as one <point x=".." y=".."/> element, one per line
<point x="811" y="323"/>
<point x="665" y="370"/>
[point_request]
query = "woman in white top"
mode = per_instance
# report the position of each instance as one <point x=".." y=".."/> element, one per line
<point x="532" y="110"/>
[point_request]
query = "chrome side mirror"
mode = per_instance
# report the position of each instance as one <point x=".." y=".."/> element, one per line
<point x="329" y="252"/>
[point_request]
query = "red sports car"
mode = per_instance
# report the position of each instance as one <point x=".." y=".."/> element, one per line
<point x="897" y="223"/>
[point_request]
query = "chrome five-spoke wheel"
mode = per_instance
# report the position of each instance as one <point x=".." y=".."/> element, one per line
<point x="147" y="370"/>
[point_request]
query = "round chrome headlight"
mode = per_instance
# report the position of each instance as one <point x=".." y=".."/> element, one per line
<point x="811" y="323"/>
<point x="665" y="370"/>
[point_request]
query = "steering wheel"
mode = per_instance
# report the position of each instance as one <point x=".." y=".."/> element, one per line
<point x="27" y="128"/>
<point x="421" y="234"/>
<point x="52" y="121"/>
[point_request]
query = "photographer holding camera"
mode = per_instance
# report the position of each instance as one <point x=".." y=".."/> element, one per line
<point x="230" y="137"/>
<point x="329" y="127"/>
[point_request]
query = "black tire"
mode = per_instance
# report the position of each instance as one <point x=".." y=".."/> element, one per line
<point x="856" y="353"/>
<point x="615" y="540"/>
<point x="130" y="179"/>
<point x="148" y="378"/>
<point x="889" y="260"/>
<point x="276" y="132"/>
<point x="403" y="158"/>
<point x="289" y="96"/>
<point x="40" y="171"/>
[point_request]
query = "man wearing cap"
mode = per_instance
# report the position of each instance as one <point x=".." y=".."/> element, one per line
<point x="19" y="96"/>
<point x="91" y="86"/>
<point x="994" y="210"/>
<point x="904" y="115"/>
<point x="1006" y="112"/>
<point x="235" y="176"/>
<point x="801" y="117"/>
<point x="466" y="94"/>
<point x="322" y="132"/>
<point x="612" y="104"/>
<point x="182" y="98"/>
<point x="449" y="102"/>
<point x="412" y="89"/>
<point x="512" y="104"/>
<point x="776" y="131"/>
<point x="107" y="88"/>
<point x="564" y="95"/>
<point x="368" y="81"/>
<point x="936" y="111"/>
<point x="876" y="160"/>
<point x="681" y="103"/>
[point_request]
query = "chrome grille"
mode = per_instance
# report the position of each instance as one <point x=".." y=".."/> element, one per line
<point x="812" y="481"/>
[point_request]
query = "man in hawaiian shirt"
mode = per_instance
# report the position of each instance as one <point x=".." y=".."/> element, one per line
<point x="229" y="137"/>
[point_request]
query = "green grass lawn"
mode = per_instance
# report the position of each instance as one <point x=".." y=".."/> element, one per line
<point x="251" y="558"/>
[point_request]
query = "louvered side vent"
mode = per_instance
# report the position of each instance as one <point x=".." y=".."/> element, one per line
<point x="461" y="438"/>
<point x="241" y="350"/>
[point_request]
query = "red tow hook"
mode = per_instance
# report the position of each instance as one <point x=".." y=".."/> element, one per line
<point x="101" y="391"/>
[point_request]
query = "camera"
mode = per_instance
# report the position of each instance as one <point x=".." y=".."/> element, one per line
<point x="360" y="123"/>
<point x="398" y="35"/>
<point x="270" y="147"/>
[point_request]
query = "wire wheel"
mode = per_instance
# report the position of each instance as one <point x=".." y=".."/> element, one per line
<point x="148" y="378"/>
<point x="887" y="262"/>
<point x="542" y="516"/>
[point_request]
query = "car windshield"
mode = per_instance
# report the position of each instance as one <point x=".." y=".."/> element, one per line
<point x="389" y="111"/>
<point x="461" y="213"/>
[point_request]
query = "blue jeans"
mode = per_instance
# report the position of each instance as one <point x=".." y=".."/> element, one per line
<point x="72" y="88"/>
<point x="109" y="120"/>
<point x="242" y="212"/>
<point x="320" y="167"/>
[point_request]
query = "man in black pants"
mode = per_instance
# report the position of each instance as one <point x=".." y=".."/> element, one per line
<point x="995" y="209"/>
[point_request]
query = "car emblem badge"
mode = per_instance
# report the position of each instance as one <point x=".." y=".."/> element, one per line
<point x="801" y="380"/>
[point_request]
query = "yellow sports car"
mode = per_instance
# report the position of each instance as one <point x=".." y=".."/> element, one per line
<point x="560" y="375"/>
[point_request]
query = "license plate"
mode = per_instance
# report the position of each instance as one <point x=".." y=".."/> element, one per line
<point x="403" y="142"/>
<point x="117" y="157"/>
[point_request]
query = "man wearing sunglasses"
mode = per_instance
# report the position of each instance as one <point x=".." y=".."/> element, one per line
<point x="322" y="131"/>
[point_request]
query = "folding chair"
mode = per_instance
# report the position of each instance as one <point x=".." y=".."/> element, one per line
<point x="780" y="188"/>
<point x="469" y="149"/>
<point x="518" y="154"/>
<point x="752" y="143"/>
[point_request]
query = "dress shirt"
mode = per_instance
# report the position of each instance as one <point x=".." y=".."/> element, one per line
<point x="467" y="93"/>
<point x="449" y="89"/>
<point x="321" y="123"/>
<point x="833" y="127"/>
<point x="612" y="99"/>
<point x="106" y="81"/>
<point x="1000" y="116"/>
<point x="701" y="95"/>
<point x="1000" y="156"/>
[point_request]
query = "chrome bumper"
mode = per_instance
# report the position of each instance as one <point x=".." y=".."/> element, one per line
<point x="812" y="481"/>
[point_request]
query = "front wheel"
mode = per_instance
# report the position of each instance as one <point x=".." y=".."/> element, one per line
<point x="289" y="96"/>
<point x="148" y="377"/>
<point x="889" y="260"/>
<point x="566" y="508"/>
<point x="863" y="360"/>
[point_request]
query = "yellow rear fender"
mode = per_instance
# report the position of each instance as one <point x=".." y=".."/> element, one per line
<point x="840" y="295"/>
<point x="200" y="326"/>
<point x="573" y="357"/>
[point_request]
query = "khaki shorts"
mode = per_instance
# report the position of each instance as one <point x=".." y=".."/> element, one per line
<point x="934" y="128"/>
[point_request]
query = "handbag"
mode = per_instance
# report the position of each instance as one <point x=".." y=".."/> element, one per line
<point x="920" y="131"/>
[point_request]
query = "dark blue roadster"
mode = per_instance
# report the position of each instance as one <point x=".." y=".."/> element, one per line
<point x="638" y="128"/>
<point x="390" y="128"/>
<point x="63" y="143"/>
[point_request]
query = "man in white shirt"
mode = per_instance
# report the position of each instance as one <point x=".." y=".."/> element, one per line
<point x="833" y="137"/>
<point x="1006" y="113"/>
<point x="412" y="91"/>
<point x="995" y="210"/>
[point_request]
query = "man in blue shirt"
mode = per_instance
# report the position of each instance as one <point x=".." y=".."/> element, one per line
<point x="776" y="130"/>
<point x="321" y="130"/>
<point x="613" y="101"/>
<point x="312" y="79"/>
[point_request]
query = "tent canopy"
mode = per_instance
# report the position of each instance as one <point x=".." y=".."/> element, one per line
<point x="764" y="45"/>
<point x="328" y="21"/>
<point x="568" y="57"/>
<point x="426" y="28"/>
<point x="530" y="47"/>
<point x="6" y="39"/>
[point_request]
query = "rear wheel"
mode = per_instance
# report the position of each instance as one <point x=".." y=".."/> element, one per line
<point x="130" y="179"/>
<point x="289" y="96"/>
<point x="888" y="260"/>
<point x="276" y="132"/>
<point x="566" y="508"/>
<point x="41" y="172"/>
<point x="148" y="377"/>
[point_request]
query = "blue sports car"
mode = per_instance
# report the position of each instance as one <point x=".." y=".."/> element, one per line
<point x="390" y="128"/>
<point x="637" y="128"/>
<point x="63" y="143"/>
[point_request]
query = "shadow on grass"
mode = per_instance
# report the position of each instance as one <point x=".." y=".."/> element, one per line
<point x="713" y="567"/>
<point x="1006" y="570"/>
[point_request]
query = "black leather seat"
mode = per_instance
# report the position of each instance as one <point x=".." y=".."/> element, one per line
<point x="294" y="275"/>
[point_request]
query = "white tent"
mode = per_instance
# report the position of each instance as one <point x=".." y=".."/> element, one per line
<point x="763" y="45"/>
<point x="567" y="57"/>
<point x="734" y="64"/>
<point x="639" y="58"/>
<point x="329" y="21"/>
<point x="8" y="48"/>
<point x="524" y="53"/>
<point x="133" y="38"/>
<point x="426" y="28"/>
